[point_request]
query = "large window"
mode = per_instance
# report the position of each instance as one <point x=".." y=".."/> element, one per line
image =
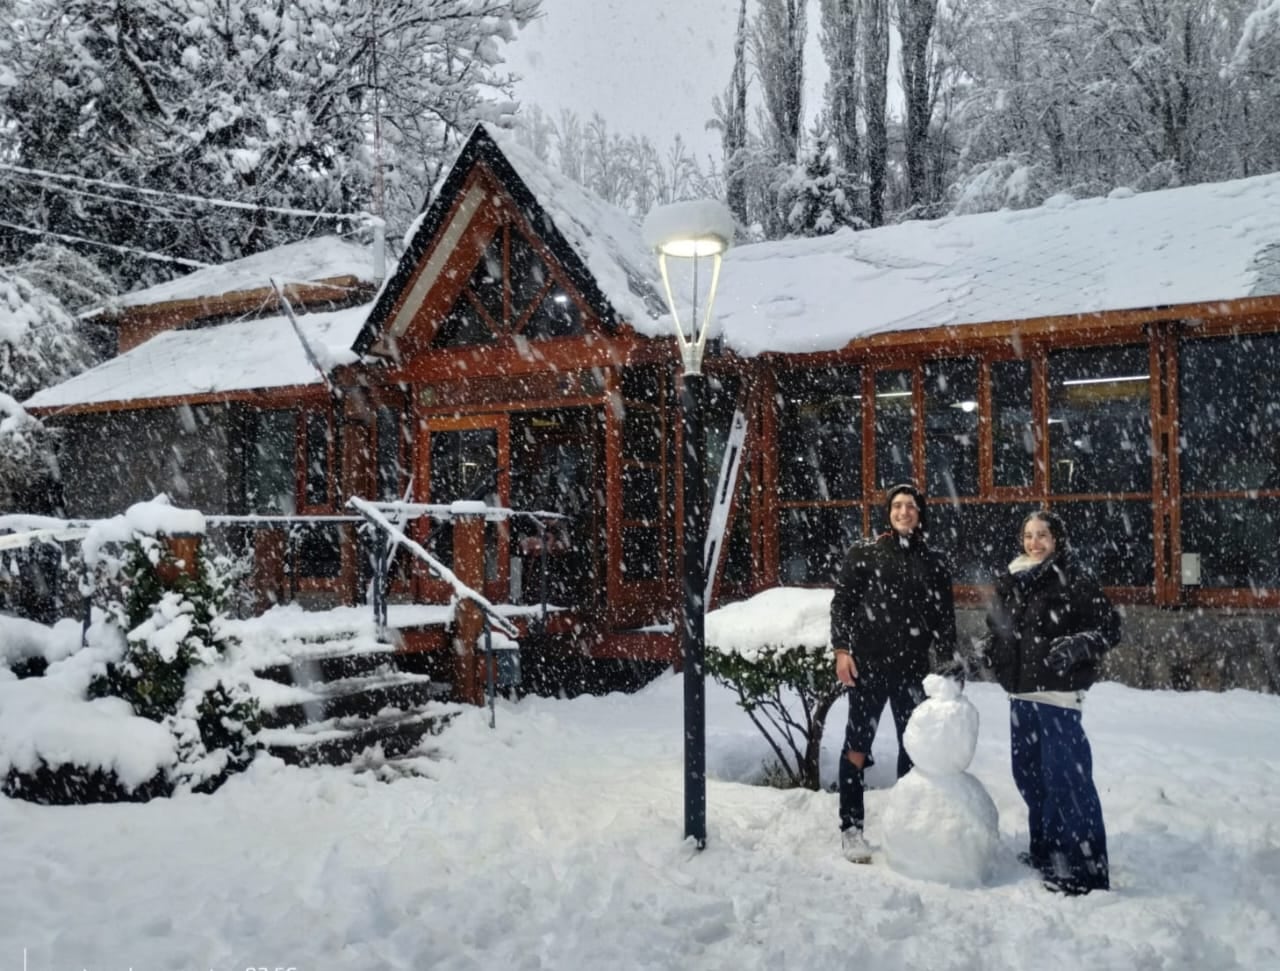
<point x="1229" y="452"/>
<point x="646" y="484"/>
<point x="1230" y="425"/>
<point x="819" y="471"/>
<point x="979" y="539"/>
<point x="1013" y="434"/>
<point x="951" y="427"/>
<point x="895" y="423"/>
<point x="1099" y="421"/>
<point x="512" y="290"/>
<point x="270" y="481"/>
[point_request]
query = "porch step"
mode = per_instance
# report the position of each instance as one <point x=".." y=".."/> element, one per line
<point x="361" y="697"/>
<point x="339" y="741"/>
<point x="336" y="662"/>
<point x="334" y="694"/>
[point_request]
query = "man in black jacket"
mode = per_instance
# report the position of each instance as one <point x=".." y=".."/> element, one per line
<point x="892" y="604"/>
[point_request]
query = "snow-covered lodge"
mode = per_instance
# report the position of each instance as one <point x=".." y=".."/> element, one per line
<point x="1114" y="358"/>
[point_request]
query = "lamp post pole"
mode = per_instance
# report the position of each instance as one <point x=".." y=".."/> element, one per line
<point x="692" y="230"/>
<point x="693" y="642"/>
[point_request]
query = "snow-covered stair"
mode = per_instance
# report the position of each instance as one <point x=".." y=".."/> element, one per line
<point x="331" y="692"/>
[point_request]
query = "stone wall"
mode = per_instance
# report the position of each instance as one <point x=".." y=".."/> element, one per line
<point x="1192" y="649"/>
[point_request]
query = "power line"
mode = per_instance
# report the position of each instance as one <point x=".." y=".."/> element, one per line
<point x="158" y="257"/>
<point x="202" y="200"/>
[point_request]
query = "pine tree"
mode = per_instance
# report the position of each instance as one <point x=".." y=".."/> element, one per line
<point x="820" y="196"/>
<point x="173" y="669"/>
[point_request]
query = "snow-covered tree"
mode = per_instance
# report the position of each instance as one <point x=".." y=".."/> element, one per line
<point x="915" y="28"/>
<point x="820" y="195"/>
<point x="174" y="668"/>
<point x="279" y="108"/>
<point x="875" y="75"/>
<point x="731" y="121"/>
<point x="39" y="346"/>
<point x="1139" y="93"/>
<point x="839" y="40"/>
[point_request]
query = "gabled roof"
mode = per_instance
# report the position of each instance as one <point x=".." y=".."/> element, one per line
<point x="597" y="245"/>
<point x="246" y="355"/>
<point x="309" y="260"/>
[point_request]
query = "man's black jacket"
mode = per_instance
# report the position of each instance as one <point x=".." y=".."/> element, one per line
<point x="892" y="604"/>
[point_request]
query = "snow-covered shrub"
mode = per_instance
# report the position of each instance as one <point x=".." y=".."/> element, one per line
<point x="774" y="652"/>
<point x="174" y="669"/>
<point x="787" y="693"/>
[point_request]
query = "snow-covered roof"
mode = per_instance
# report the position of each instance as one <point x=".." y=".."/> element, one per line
<point x="608" y="240"/>
<point x="239" y="356"/>
<point x="309" y="260"/>
<point x="1195" y="245"/>
<point x="1199" y="244"/>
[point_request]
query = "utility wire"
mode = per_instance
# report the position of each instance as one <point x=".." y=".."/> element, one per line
<point x="202" y="200"/>
<point x="158" y="257"/>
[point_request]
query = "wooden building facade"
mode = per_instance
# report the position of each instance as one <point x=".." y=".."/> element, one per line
<point x="515" y="357"/>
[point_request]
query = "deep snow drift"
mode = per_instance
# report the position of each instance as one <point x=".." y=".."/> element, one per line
<point x="554" y="841"/>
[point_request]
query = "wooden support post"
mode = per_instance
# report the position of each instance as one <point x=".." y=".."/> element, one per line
<point x="184" y="549"/>
<point x="468" y="566"/>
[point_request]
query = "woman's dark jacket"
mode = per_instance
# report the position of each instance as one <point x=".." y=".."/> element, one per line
<point x="892" y="604"/>
<point x="1032" y="608"/>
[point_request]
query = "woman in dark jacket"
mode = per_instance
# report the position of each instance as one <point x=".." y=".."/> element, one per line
<point x="1049" y="624"/>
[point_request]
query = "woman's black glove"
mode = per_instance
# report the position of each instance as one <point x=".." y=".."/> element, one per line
<point x="1069" y="652"/>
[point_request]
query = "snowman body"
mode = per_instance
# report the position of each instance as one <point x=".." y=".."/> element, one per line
<point x="940" y="823"/>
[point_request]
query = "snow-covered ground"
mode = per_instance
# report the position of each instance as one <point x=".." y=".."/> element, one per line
<point x="554" y="841"/>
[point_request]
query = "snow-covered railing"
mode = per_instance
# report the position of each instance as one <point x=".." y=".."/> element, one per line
<point x="373" y="512"/>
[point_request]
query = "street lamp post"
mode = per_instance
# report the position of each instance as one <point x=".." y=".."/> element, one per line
<point x="692" y="231"/>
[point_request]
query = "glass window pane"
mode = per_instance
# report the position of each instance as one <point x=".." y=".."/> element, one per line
<point x="388" y="454"/>
<point x="271" y="483"/>
<point x="486" y="280"/>
<point x="317" y="550"/>
<point x="528" y="274"/>
<point x="979" y="540"/>
<point x="642" y="384"/>
<point x="1238" y="541"/>
<point x="1100" y="420"/>
<point x="820" y="434"/>
<point x="557" y="316"/>
<point x="639" y="492"/>
<point x="895" y="419"/>
<point x="951" y="427"/>
<point x="317" y="473"/>
<point x="640" y="553"/>
<point x="1230" y="434"/>
<point x="463" y="326"/>
<point x="1114" y="538"/>
<point x="641" y="435"/>
<point x="463" y="466"/>
<point x="812" y="542"/>
<point x="1012" y="433"/>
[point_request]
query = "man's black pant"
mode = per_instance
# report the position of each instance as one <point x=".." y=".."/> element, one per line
<point x="867" y="699"/>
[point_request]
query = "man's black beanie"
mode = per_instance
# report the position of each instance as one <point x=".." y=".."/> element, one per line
<point x="915" y="494"/>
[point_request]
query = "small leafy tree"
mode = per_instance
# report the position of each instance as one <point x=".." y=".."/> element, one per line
<point x="787" y="693"/>
<point x="172" y="670"/>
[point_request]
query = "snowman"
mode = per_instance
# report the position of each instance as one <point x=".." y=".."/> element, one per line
<point x="940" y="823"/>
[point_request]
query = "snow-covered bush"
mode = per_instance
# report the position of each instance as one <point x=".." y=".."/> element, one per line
<point x="774" y="652"/>
<point x="174" y="668"/>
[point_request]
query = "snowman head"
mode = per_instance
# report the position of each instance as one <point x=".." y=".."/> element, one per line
<point x="943" y="730"/>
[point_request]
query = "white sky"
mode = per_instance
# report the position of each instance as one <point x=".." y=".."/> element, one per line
<point x="649" y="67"/>
<point x="554" y="841"/>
